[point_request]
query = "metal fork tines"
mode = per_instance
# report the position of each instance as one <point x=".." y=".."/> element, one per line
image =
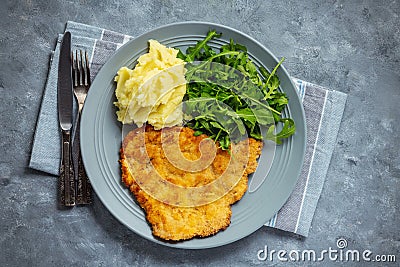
<point x="81" y="84"/>
<point x="80" y="76"/>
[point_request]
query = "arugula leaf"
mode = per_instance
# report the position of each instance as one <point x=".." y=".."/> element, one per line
<point x="272" y="81"/>
<point x="192" y="52"/>
<point x="288" y="129"/>
<point x="247" y="114"/>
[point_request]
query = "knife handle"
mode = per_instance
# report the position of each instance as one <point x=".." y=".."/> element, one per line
<point x="84" y="187"/>
<point x="66" y="180"/>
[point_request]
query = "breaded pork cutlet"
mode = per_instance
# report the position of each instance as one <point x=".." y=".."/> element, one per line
<point x="143" y="157"/>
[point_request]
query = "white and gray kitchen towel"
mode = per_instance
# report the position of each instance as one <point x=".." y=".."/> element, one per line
<point x="323" y="109"/>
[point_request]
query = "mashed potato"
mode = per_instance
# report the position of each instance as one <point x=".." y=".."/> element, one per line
<point x="153" y="91"/>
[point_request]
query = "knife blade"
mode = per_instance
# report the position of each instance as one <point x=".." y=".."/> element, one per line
<point x="64" y="97"/>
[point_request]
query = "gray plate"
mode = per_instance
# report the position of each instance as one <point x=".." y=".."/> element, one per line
<point x="101" y="140"/>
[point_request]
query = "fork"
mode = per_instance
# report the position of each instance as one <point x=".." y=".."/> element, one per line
<point x="81" y="84"/>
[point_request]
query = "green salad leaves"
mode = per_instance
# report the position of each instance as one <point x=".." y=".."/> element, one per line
<point x="228" y="96"/>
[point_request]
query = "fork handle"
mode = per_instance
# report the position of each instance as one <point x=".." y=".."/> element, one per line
<point x="66" y="184"/>
<point x="84" y="187"/>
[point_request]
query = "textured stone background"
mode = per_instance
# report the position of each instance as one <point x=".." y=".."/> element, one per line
<point x="350" y="46"/>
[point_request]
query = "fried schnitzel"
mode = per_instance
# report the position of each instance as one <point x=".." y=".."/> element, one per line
<point x="153" y="168"/>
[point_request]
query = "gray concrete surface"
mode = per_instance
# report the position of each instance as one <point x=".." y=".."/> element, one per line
<point x="350" y="46"/>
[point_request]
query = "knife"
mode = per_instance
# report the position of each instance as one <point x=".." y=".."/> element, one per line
<point x="66" y="184"/>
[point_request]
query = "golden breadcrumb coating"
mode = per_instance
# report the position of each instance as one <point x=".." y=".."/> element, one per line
<point x="143" y="157"/>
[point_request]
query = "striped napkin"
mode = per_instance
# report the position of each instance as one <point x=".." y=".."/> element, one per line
<point x="323" y="109"/>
